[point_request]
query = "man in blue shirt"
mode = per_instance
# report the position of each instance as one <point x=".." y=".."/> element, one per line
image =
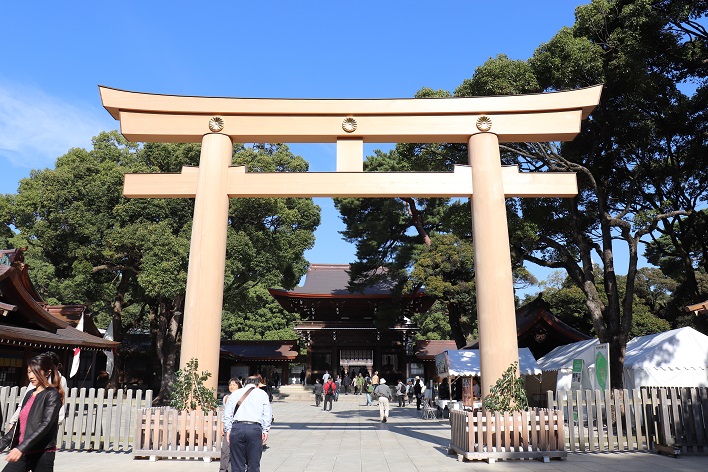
<point x="247" y="426"/>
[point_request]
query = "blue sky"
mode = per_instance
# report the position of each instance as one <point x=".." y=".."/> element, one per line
<point x="55" y="55"/>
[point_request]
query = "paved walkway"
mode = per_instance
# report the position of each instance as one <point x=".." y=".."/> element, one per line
<point x="351" y="438"/>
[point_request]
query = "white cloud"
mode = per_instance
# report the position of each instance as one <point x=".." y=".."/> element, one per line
<point x="36" y="128"/>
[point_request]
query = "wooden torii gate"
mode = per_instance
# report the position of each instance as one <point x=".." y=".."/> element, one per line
<point x="481" y="122"/>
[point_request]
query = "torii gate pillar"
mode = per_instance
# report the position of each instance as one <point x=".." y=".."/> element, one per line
<point x="496" y="318"/>
<point x="207" y="256"/>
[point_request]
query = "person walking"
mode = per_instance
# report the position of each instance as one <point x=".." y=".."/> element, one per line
<point x="359" y="384"/>
<point x="338" y="388"/>
<point x="33" y="438"/>
<point x="303" y="376"/>
<point x="330" y="388"/>
<point x="384" y="394"/>
<point x="347" y="384"/>
<point x="375" y="379"/>
<point x="418" y="389"/>
<point x="317" y="390"/>
<point x="326" y="377"/>
<point x="62" y="381"/>
<point x="401" y="393"/>
<point x="225" y="462"/>
<point x="368" y="390"/>
<point x="247" y="419"/>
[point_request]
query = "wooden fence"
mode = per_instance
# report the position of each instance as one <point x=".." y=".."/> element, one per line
<point x="165" y="432"/>
<point x="533" y="434"/>
<point x="96" y="419"/>
<point x="670" y="420"/>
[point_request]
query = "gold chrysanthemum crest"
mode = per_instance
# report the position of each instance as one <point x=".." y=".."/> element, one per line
<point x="216" y="124"/>
<point x="349" y="125"/>
<point x="484" y="123"/>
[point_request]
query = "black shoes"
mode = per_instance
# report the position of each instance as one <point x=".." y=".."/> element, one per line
<point x="383" y="420"/>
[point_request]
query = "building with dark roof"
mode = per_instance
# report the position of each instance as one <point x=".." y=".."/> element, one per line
<point x="340" y="328"/>
<point x="29" y="326"/>
<point x="540" y="330"/>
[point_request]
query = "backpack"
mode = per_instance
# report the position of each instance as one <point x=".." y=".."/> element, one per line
<point x="329" y="388"/>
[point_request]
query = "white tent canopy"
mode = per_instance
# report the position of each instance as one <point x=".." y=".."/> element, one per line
<point x="561" y="359"/>
<point x="465" y="363"/>
<point x="676" y="358"/>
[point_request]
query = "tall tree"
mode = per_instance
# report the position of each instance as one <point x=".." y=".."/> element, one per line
<point x="129" y="256"/>
<point x="635" y="158"/>
<point x="421" y="242"/>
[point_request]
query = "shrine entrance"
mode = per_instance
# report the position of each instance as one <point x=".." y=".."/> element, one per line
<point x="480" y="122"/>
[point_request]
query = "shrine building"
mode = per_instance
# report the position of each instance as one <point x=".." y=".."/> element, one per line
<point x="340" y="328"/>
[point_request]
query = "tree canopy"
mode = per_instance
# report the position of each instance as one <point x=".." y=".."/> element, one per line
<point x="640" y="159"/>
<point x="128" y="258"/>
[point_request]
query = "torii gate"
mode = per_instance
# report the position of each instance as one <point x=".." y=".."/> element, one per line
<point x="481" y="122"/>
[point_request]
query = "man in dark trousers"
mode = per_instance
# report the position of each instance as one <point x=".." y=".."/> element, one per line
<point x="247" y="418"/>
<point x="317" y="390"/>
<point x="330" y="389"/>
<point x="418" y="389"/>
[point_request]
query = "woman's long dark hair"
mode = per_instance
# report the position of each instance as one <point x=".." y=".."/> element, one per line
<point x="42" y="367"/>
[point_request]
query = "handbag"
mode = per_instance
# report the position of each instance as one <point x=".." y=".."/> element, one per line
<point x="6" y="439"/>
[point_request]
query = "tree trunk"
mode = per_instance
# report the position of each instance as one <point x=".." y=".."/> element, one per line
<point x="455" y="317"/>
<point x="167" y="339"/>
<point x="117" y="317"/>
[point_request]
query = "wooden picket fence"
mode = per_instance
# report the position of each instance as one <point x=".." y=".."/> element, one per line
<point x="166" y="432"/>
<point x="532" y="434"/>
<point x="663" y="419"/>
<point x="96" y="419"/>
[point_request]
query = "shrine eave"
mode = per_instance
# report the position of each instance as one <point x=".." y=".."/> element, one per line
<point x="333" y="296"/>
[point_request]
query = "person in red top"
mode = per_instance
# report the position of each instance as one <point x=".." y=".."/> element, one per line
<point x="33" y="438"/>
<point x="330" y="388"/>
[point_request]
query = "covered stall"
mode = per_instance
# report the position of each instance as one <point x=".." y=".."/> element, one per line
<point x="675" y="358"/>
<point x="557" y="365"/>
<point x="453" y="364"/>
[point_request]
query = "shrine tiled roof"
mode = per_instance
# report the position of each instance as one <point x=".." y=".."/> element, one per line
<point x="25" y="319"/>
<point x="260" y="350"/>
<point x="428" y="349"/>
<point x="63" y="338"/>
<point x="333" y="279"/>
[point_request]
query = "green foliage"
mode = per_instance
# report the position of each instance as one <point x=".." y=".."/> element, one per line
<point x="189" y="392"/>
<point x="256" y="315"/>
<point x="128" y="258"/>
<point x="434" y="324"/>
<point x="508" y="393"/>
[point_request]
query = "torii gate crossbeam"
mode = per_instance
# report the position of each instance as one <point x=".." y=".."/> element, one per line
<point x="481" y="122"/>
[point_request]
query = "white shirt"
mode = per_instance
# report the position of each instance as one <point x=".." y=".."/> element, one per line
<point x="255" y="408"/>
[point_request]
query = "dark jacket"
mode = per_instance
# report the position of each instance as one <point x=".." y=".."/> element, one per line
<point x="42" y="422"/>
<point x="317" y="389"/>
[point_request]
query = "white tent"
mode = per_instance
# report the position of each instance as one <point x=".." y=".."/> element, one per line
<point x="561" y="359"/>
<point x="676" y="358"/>
<point x="465" y="363"/>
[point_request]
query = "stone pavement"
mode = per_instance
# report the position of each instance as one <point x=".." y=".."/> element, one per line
<point x="351" y="438"/>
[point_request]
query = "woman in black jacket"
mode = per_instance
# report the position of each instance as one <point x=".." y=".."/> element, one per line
<point x="33" y="438"/>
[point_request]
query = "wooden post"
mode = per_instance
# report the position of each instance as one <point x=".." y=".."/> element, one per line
<point x="498" y="347"/>
<point x="207" y="258"/>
